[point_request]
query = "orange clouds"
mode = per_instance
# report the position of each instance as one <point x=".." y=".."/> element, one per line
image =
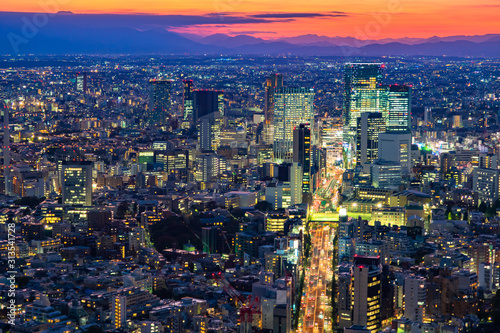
<point x="372" y="19"/>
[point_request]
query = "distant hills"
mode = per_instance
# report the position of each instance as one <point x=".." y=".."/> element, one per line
<point x="67" y="33"/>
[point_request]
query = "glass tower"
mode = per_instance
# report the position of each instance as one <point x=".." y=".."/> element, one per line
<point x="159" y="101"/>
<point x="292" y="107"/>
<point x="399" y="113"/>
<point x="363" y="92"/>
<point x="187" y="97"/>
<point x="302" y="153"/>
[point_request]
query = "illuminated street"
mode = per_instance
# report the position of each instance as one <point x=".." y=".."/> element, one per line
<point x="316" y="309"/>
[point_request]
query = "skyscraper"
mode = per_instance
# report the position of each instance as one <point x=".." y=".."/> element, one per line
<point x="296" y="180"/>
<point x="77" y="183"/>
<point x="399" y="109"/>
<point x="396" y="147"/>
<point x="206" y="102"/>
<point x="415" y="298"/>
<point x="81" y="82"/>
<point x="159" y="107"/>
<point x="363" y="92"/>
<point x="187" y="98"/>
<point x="272" y="83"/>
<point x="367" y="292"/>
<point x="209" y="131"/>
<point x="5" y="150"/>
<point x="302" y="155"/>
<point x="292" y="107"/>
<point x="369" y="126"/>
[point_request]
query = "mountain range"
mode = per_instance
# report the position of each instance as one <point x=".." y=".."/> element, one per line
<point x="67" y="33"/>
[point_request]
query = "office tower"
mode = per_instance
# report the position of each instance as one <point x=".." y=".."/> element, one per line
<point x="427" y="116"/>
<point x="279" y="195"/>
<point x="5" y="151"/>
<point x="363" y="92"/>
<point x="447" y="161"/>
<point x="292" y="107"/>
<point x="302" y="155"/>
<point x="206" y="102"/>
<point x="209" y="131"/>
<point x="344" y="300"/>
<point x="98" y="219"/>
<point x="187" y="98"/>
<point x="273" y="82"/>
<point x="207" y="167"/>
<point x="415" y="298"/>
<point x="486" y="182"/>
<point x="366" y="292"/>
<point x="213" y="240"/>
<point x="399" y="109"/>
<point x="385" y="174"/>
<point x="81" y="82"/>
<point x="396" y="147"/>
<point x="296" y="182"/>
<point x="159" y="101"/>
<point x="368" y="127"/>
<point x="77" y="183"/>
<point x="173" y="160"/>
<point x="457" y="121"/>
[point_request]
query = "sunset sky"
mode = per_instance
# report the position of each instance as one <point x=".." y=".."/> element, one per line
<point x="369" y="19"/>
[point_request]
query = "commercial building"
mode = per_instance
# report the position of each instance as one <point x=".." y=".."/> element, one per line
<point x="77" y="183"/>
<point x="362" y="93"/>
<point x="187" y="99"/>
<point x="302" y="155"/>
<point x="159" y="107"/>
<point x="368" y="127"/>
<point x="366" y="292"/>
<point x="486" y="183"/>
<point x="292" y="107"/>
<point x="385" y="174"/>
<point x="396" y="147"/>
<point x="399" y="110"/>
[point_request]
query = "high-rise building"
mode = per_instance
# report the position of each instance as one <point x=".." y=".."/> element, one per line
<point x="209" y="131"/>
<point x="363" y="92"/>
<point x="206" y="102"/>
<point x="213" y="239"/>
<point x="77" y="183"/>
<point x="396" y="147"/>
<point x="292" y="107"/>
<point x="302" y="155"/>
<point x="296" y="182"/>
<point x="273" y="82"/>
<point x="159" y="101"/>
<point x="119" y="311"/>
<point x="368" y="127"/>
<point x="385" y="174"/>
<point x="279" y="195"/>
<point x="207" y="166"/>
<point x="344" y="299"/>
<point x="5" y="150"/>
<point x="367" y="292"/>
<point x="187" y="98"/>
<point x="486" y="182"/>
<point x="81" y="82"/>
<point x="415" y="298"/>
<point x="399" y="108"/>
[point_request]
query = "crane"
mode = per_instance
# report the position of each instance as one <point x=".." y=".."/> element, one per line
<point x="247" y="307"/>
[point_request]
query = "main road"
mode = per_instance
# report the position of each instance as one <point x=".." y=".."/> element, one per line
<point x="316" y="308"/>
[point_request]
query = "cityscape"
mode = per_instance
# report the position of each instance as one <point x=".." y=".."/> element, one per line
<point x="332" y="184"/>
